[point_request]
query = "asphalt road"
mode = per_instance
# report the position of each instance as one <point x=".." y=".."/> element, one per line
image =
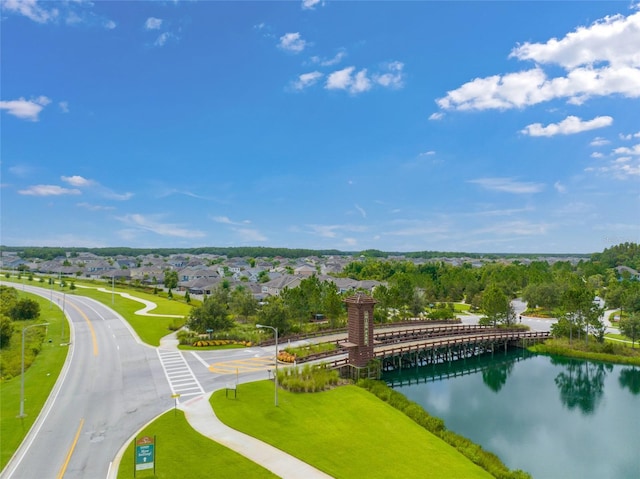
<point x="110" y="387"/>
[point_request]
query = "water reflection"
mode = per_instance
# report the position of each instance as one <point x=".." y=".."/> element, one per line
<point x="630" y="378"/>
<point x="495" y="376"/>
<point x="581" y="384"/>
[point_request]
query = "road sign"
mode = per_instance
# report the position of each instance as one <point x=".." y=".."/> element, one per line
<point x="145" y="453"/>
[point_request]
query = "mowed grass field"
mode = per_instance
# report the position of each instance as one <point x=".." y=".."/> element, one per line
<point x="346" y="432"/>
<point x="183" y="452"/>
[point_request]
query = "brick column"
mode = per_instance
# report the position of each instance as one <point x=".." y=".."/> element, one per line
<point x="360" y="328"/>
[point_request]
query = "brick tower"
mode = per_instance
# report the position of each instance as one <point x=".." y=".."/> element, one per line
<point x="360" y="329"/>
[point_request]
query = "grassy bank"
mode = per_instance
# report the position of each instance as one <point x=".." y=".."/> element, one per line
<point x="346" y="432"/>
<point x="182" y="452"/>
<point x="608" y="352"/>
<point x="39" y="378"/>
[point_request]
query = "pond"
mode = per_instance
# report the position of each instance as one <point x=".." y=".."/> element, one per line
<point x="553" y="417"/>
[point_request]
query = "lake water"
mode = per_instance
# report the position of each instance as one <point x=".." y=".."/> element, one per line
<point x="550" y="416"/>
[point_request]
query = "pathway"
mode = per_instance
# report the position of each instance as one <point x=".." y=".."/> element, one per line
<point x="200" y="415"/>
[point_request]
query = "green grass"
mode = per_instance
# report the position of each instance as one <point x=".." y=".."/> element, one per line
<point x="183" y="452"/>
<point x="150" y="329"/>
<point x="39" y="378"/>
<point x="610" y="351"/>
<point x="346" y="432"/>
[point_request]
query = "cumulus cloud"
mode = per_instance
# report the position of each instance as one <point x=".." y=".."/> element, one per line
<point x="153" y="23"/>
<point x="629" y="136"/>
<point x="292" y="42"/>
<point x="345" y="79"/>
<point x="633" y="151"/>
<point x="25" y="109"/>
<point x="71" y="13"/>
<point x="311" y="4"/>
<point x="436" y="116"/>
<point x="49" y="190"/>
<point x="152" y="224"/>
<point x="508" y="185"/>
<point x="76" y="180"/>
<point x="601" y="60"/>
<point x="306" y="80"/>
<point x="599" y="141"/>
<point x="569" y="126"/>
<point x="163" y="38"/>
<point x="393" y="77"/>
<point x="327" y="62"/>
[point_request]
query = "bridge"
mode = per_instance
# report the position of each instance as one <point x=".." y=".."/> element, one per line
<point x="410" y="345"/>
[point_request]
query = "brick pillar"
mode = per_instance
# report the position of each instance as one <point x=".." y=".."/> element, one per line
<point x="360" y="328"/>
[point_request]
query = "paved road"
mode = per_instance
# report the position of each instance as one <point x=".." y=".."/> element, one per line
<point x="111" y="386"/>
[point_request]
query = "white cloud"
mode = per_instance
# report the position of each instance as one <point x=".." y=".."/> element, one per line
<point x="151" y="223"/>
<point x="345" y="80"/>
<point x="569" y="126"/>
<point x="596" y="154"/>
<point x="69" y="12"/>
<point x="292" y="42"/>
<point x="436" y="116"/>
<point x="508" y="185"/>
<point x="601" y="60"/>
<point x="78" y="181"/>
<point x="614" y="40"/>
<point x="520" y="228"/>
<point x="634" y="150"/>
<point x="163" y="38"/>
<point x="327" y="62"/>
<point x="331" y="231"/>
<point x="30" y="9"/>
<point x="153" y="23"/>
<point x="25" y="109"/>
<point x="97" y="188"/>
<point x="629" y="136"/>
<point x="361" y="210"/>
<point x="64" y="106"/>
<point x="306" y="80"/>
<point x="393" y="77"/>
<point x="599" y="141"/>
<point x="49" y="190"/>
<point x="311" y="4"/>
<point x="427" y="153"/>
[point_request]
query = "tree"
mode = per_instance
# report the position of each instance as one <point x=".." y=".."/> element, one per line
<point x="212" y="314"/>
<point x="6" y="330"/>
<point x="187" y="297"/>
<point x="274" y="314"/>
<point x="577" y="304"/>
<point x="170" y="280"/>
<point x="24" y="310"/>
<point x="630" y="327"/>
<point x="496" y="305"/>
<point x="8" y="298"/>
<point x="242" y="302"/>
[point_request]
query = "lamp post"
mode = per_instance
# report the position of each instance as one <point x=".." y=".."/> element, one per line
<point x="275" y="330"/>
<point x="22" y="414"/>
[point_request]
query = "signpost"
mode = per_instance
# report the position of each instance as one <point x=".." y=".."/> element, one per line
<point x="145" y="454"/>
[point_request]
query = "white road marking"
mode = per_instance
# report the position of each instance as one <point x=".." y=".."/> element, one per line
<point x="179" y="375"/>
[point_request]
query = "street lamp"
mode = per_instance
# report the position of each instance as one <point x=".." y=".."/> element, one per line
<point x="275" y="330"/>
<point x="22" y="414"/>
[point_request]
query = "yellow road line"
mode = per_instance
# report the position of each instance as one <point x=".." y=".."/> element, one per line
<point x="63" y="469"/>
<point x="93" y="333"/>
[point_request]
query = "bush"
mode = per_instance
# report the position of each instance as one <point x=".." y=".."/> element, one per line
<point x="310" y="378"/>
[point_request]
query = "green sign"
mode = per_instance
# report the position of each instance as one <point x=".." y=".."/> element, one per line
<point x="145" y="453"/>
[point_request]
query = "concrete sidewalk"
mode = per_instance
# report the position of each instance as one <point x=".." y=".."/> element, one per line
<point x="201" y="417"/>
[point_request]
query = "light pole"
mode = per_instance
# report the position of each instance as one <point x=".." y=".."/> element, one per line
<point x="22" y="414"/>
<point x="275" y="330"/>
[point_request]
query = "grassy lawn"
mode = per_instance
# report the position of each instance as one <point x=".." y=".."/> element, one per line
<point x="39" y="378"/>
<point x="183" y="452"/>
<point x="346" y="432"/>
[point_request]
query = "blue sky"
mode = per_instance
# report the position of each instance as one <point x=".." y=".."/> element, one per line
<point x="399" y="126"/>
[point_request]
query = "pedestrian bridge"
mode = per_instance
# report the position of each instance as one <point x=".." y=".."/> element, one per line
<point x="400" y="347"/>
